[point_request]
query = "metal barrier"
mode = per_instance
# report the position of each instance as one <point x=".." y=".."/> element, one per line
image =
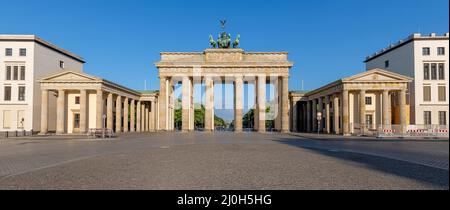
<point x="100" y="133"/>
<point x="399" y="130"/>
<point x="413" y="131"/>
<point x="16" y="133"/>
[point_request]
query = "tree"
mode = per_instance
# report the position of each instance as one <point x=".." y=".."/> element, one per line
<point x="199" y="117"/>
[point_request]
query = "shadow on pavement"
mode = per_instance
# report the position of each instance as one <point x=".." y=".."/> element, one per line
<point x="434" y="176"/>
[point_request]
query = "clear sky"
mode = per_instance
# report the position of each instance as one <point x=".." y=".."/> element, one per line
<point x="326" y="39"/>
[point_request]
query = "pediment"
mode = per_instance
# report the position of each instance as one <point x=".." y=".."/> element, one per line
<point x="70" y="76"/>
<point x="377" y="75"/>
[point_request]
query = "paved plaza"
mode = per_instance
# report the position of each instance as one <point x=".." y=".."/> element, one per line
<point x="222" y="160"/>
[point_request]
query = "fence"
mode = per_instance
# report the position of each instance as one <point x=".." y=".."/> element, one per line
<point x="21" y="133"/>
<point x="433" y="131"/>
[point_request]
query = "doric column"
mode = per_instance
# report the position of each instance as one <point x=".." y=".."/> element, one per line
<point x="402" y="103"/>
<point x="209" y="104"/>
<point x="262" y="103"/>
<point x="99" y="109"/>
<point x="362" y="110"/>
<point x="44" y="112"/>
<point x="284" y="103"/>
<point x="125" y="115"/>
<point x="109" y="111"/>
<point x="294" y="116"/>
<point x="345" y="118"/>
<point x="319" y="109"/>
<point x="132" y="115"/>
<point x="118" y="114"/>
<point x="60" y="112"/>
<point x="327" y="114"/>
<point x="385" y="109"/>
<point x="336" y="113"/>
<point x="138" y="117"/>
<point x="83" y="111"/>
<point x="162" y="100"/>
<point x="308" y="116"/>
<point x="314" y="115"/>
<point x="143" y="117"/>
<point x="239" y="97"/>
<point x="186" y="104"/>
<point x="152" y="115"/>
<point x="147" y="117"/>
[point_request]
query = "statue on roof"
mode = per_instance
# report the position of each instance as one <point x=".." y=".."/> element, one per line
<point x="224" y="39"/>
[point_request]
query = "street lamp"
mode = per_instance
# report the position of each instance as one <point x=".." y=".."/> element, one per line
<point x="319" y="119"/>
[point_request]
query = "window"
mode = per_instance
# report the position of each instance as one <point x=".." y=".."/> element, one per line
<point x="441" y="51"/>
<point x="61" y="64"/>
<point x="369" y="100"/>
<point x="369" y="119"/>
<point x="8" y="52"/>
<point x="76" y="120"/>
<point x="426" y="71"/>
<point x="22" y="73"/>
<point x="20" y="119"/>
<point x="21" y="93"/>
<point x="441" y="71"/>
<point x="22" y="52"/>
<point x="426" y="93"/>
<point x="427" y="117"/>
<point x="77" y="99"/>
<point x="16" y="73"/>
<point x="8" y="73"/>
<point x="442" y="118"/>
<point x="426" y="51"/>
<point x="441" y="93"/>
<point x="386" y="64"/>
<point x="6" y="119"/>
<point x="433" y="71"/>
<point x="7" y="96"/>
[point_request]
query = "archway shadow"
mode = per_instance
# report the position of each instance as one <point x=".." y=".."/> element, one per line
<point x="434" y="176"/>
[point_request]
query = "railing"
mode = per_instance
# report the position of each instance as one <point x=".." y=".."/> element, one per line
<point x="399" y="130"/>
<point x="100" y="133"/>
<point x="16" y="133"/>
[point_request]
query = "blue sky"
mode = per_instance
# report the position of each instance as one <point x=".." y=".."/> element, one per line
<point x="326" y="39"/>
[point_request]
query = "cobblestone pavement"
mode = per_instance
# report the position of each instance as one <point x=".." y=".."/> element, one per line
<point x="221" y="161"/>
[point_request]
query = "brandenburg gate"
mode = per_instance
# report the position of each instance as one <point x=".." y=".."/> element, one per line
<point x="223" y="63"/>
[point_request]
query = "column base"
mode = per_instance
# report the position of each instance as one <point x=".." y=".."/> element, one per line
<point x="285" y="131"/>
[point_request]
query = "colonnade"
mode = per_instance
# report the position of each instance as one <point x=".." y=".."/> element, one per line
<point x="112" y="111"/>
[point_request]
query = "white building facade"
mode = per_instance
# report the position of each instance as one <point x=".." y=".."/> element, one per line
<point x="425" y="59"/>
<point x="24" y="59"/>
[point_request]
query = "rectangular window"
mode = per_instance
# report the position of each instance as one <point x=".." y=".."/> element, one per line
<point x="369" y="119"/>
<point x="77" y="99"/>
<point x="441" y="51"/>
<point x="386" y="64"/>
<point x="6" y="119"/>
<point x="22" y="73"/>
<point x="441" y="93"/>
<point x="442" y="118"/>
<point x="21" y="93"/>
<point x="433" y="71"/>
<point x="8" y="73"/>
<point x="426" y="93"/>
<point x="16" y="73"/>
<point x="20" y="119"/>
<point x="368" y="100"/>
<point x="426" y="51"/>
<point x="426" y="71"/>
<point x="427" y="117"/>
<point x="22" y="52"/>
<point x="441" y="71"/>
<point x="61" y="64"/>
<point x="7" y="96"/>
<point x="76" y="120"/>
<point x="8" y="52"/>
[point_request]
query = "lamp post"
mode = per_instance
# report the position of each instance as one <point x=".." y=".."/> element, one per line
<point x="319" y="119"/>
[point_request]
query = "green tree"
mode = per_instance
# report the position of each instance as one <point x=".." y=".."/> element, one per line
<point x="199" y="117"/>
